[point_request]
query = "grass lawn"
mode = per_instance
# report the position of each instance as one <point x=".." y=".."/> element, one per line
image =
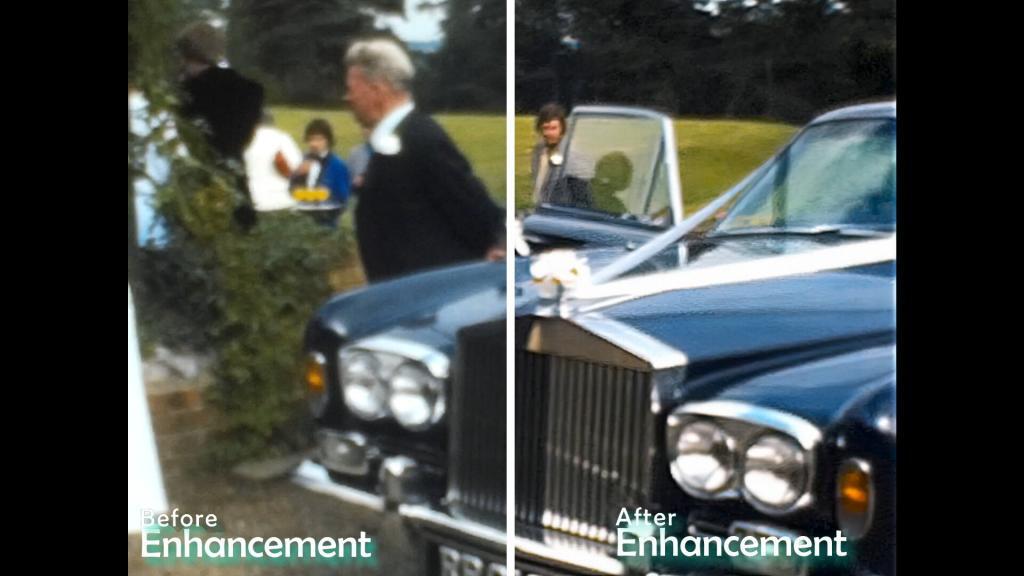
<point x="480" y="137"/>
<point x="713" y="154"/>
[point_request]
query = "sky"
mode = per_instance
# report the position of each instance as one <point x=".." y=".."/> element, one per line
<point x="417" y="25"/>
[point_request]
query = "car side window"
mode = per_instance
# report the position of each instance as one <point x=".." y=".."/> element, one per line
<point x="612" y="166"/>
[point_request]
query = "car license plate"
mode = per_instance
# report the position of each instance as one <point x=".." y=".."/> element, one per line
<point x="458" y="563"/>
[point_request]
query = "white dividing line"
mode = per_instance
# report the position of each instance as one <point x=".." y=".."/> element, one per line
<point x="510" y="216"/>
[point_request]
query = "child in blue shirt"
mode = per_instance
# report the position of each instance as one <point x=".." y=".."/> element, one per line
<point x="321" y="183"/>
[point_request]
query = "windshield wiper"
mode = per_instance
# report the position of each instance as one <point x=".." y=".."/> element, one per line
<point x="803" y="231"/>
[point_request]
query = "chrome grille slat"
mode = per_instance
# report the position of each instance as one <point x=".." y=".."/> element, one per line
<point x="587" y="455"/>
<point x="477" y="480"/>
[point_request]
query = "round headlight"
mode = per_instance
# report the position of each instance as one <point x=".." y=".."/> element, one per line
<point x="365" y="394"/>
<point x="704" y="458"/>
<point x="417" y="398"/>
<point x="775" y="472"/>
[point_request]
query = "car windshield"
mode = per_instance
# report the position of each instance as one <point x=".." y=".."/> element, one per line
<point x="612" y="166"/>
<point x="835" y="176"/>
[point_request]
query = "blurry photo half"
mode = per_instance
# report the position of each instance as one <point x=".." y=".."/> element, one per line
<point x="317" y="298"/>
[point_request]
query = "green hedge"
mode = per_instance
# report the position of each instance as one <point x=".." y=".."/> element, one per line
<point x="243" y="295"/>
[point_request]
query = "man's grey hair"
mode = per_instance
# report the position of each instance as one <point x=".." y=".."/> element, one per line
<point x="382" y="59"/>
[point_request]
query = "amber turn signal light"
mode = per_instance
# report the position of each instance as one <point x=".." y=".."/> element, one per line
<point x="315" y="374"/>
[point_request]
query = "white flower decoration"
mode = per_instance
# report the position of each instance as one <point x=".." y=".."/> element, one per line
<point x="557" y="271"/>
<point x="387" y="144"/>
<point x="556" y="159"/>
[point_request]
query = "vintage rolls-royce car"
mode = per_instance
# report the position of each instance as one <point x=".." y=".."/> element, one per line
<point x="734" y="368"/>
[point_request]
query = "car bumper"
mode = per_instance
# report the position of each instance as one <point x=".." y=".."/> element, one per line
<point x="474" y="543"/>
<point x="453" y="546"/>
<point x="474" y="548"/>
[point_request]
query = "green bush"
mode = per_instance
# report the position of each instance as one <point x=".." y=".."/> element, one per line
<point x="244" y="295"/>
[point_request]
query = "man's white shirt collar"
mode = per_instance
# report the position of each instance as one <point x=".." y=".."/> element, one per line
<point x="383" y="139"/>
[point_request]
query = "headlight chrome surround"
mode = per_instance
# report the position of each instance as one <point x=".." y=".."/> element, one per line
<point x="747" y="424"/>
<point x="397" y="357"/>
<point x="363" y="389"/>
<point x="417" y="399"/>
<point x="700" y="450"/>
<point x="773" y="462"/>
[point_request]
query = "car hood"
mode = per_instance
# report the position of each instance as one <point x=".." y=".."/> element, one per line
<point x="741" y="318"/>
<point x="429" y="307"/>
<point x="858" y="385"/>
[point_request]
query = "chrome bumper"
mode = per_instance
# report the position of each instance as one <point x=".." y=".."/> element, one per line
<point x="313" y="476"/>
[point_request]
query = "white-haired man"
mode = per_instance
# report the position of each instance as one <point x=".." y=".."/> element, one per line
<point x="421" y="206"/>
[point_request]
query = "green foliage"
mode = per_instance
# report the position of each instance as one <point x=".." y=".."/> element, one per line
<point x="269" y="284"/>
<point x="296" y="48"/>
<point x="468" y="72"/>
<point x="244" y="295"/>
<point x="785" y="60"/>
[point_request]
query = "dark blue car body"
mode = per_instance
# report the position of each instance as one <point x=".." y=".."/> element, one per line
<point x="816" y="347"/>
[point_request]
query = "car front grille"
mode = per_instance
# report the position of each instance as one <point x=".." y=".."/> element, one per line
<point x="476" y="488"/>
<point x="584" y="435"/>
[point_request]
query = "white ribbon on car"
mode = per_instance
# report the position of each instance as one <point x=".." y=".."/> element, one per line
<point x="848" y="255"/>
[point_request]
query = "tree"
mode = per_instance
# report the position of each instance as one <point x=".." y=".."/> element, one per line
<point x="786" y="60"/>
<point x="468" y="72"/>
<point x="296" y="48"/>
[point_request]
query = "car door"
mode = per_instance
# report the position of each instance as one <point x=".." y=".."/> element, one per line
<point x="614" y="181"/>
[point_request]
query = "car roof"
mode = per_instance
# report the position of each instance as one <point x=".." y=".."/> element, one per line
<point x="860" y="111"/>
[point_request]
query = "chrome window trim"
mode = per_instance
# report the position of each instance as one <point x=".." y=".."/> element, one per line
<point x="671" y="161"/>
<point x="619" y="111"/>
<point x="668" y="143"/>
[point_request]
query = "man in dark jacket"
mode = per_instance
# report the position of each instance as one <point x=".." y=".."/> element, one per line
<point x="421" y="206"/>
<point x="550" y="127"/>
<point x="226" y="105"/>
